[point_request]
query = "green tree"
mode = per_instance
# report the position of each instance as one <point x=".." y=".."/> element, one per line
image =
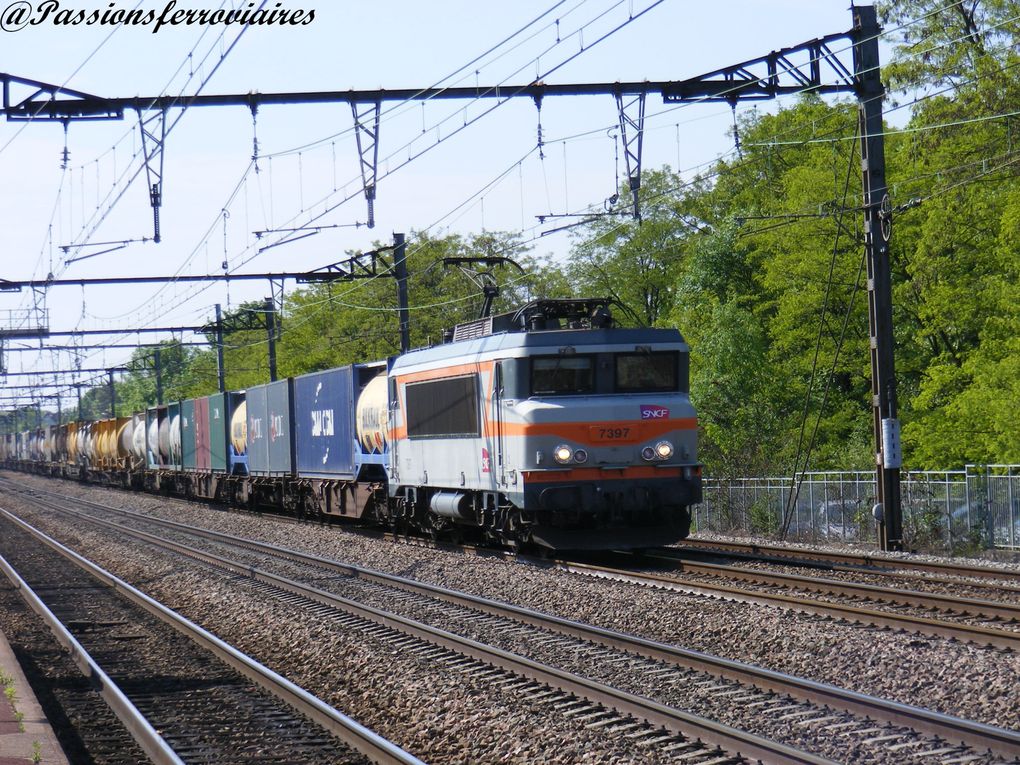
<point x="956" y="295"/>
<point x="637" y="262"/>
<point x="137" y="388"/>
<point x="772" y="287"/>
<point x="965" y="48"/>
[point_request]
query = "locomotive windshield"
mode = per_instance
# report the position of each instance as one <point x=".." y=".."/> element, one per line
<point x="605" y="373"/>
<point x="562" y="374"/>
<point x="646" y="372"/>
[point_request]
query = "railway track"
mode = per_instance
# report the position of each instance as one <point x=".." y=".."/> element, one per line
<point x="956" y="610"/>
<point x="866" y="721"/>
<point x="891" y="619"/>
<point x="162" y="673"/>
<point x="1007" y="613"/>
<point x="982" y="590"/>
<point x="671" y="732"/>
<point x="847" y="561"/>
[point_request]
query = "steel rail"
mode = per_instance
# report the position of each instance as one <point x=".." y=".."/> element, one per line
<point x="974" y="734"/>
<point x="923" y="625"/>
<point x="153" y="744"/>
<point x="365" y="741"/>
<point x="853" y="589"/>
<point x="677" y="721"/>
<point x="993" y="585"/>
<point x="781" y="554"/>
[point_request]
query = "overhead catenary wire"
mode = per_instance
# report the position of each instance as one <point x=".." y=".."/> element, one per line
<point x="131" y="131"/>
<point x="102" y="43"/>
<point x="352" y="196"/>
<point x="93" y="226"/>
<point x="591" y="45"/>
<point x="386" y="113"/>
<point x="792" y="496"/>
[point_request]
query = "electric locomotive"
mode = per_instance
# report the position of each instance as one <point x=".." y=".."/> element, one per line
<point x="548" y="426"/>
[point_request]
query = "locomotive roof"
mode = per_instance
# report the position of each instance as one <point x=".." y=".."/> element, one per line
<point x="522" y="343"/>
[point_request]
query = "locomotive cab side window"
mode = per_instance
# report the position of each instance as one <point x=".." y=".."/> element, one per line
<point x="647" y="372"/>
<point x="446" y="408"/>
<point x="563" y="375"/>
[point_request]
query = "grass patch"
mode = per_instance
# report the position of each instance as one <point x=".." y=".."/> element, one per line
<point x="9" y="691"/>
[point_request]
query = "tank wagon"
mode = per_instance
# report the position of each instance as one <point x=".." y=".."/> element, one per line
<point x="545" y="426"/>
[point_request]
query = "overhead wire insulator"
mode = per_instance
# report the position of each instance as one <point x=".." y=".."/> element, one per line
<point x="736" y="130"/>
<point x="254" y="137"/>
<point x="65" y="156"/>
<point x="541" y="144"/>
<point x="155" y="198"/>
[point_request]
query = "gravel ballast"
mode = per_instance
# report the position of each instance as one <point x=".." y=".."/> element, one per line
<point x="439" y="713"/>
<point x="963" y="680"/>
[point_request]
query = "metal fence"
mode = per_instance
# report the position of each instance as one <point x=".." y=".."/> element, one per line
<point x="974" y="508"/>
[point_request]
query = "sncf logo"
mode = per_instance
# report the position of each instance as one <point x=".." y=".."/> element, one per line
<point x="654" y="412"/>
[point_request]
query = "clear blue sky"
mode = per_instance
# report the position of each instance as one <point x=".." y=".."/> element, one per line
<point x="391" y="44"/>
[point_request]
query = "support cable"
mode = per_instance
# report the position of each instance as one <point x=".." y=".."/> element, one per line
<point x="795" y="491"/>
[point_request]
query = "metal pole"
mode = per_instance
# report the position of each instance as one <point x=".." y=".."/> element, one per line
<point x="877" y="236"/>
<point x="59" y="418"/>
<point x="271" y="334"/>
<point x="158" y="360"/>
<point x="400" y="267"/>
<point x="219" y="349"/>
<point x="78" y="388"/>
<point x="113" y="395"/>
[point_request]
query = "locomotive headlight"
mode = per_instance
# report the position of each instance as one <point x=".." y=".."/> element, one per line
<point x="648" y="454"/>
<point x="563" y="454"/>
<point x="664" y="450"/>
<point x="580" y="456"/>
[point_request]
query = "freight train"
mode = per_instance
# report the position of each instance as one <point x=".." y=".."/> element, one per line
<point x="548" y="426"/>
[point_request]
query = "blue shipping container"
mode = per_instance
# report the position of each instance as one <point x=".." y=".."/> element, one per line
<point x="258" y="430"/>
<point x="270" y="432"/>
<point x="279" y="400"/>
<point x="324" y="424"/>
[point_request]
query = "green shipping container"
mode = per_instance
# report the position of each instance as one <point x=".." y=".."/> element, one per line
<point x="188" y="433"/>
<point x="219" y="427"/>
